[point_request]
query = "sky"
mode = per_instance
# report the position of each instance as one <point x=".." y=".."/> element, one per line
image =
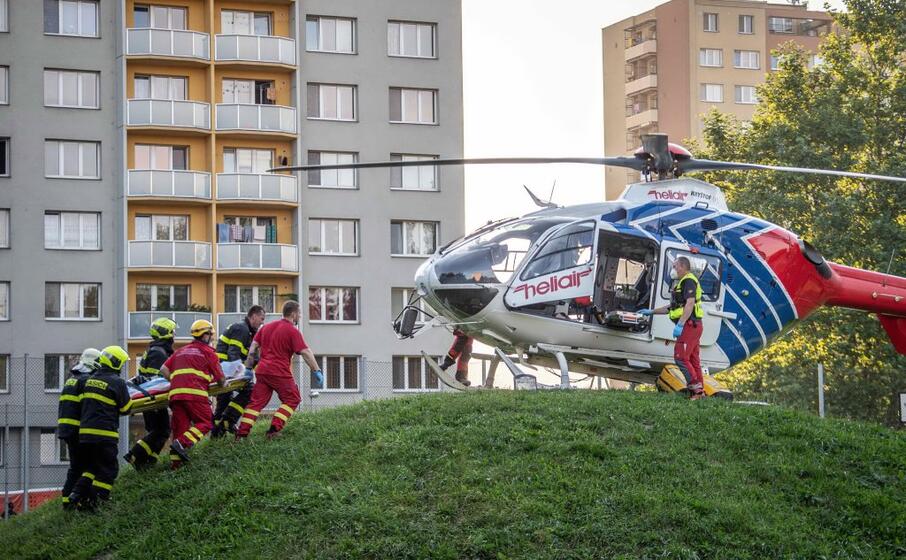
<point x="532" y="81"/>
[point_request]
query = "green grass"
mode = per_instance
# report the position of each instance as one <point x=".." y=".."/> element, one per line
<point x="509" y="475"/>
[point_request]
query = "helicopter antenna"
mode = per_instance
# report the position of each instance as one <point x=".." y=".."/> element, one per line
<point x="538" y="201"/>
<point x="554" y="186"/>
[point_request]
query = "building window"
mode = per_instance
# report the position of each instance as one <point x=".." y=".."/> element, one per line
<point x="411" y="39"/>
<point x="746" y="95"/>
<point x="72" y="230"/>
<point x="162" y="297"/>
<point x="4" y="228"/>
<point x="413" y="106"/>
<point x="4" y="301"/>
<point x="77" y="90"/>
<point x="71" y="160"/>
<point x="238" y="299"/>
<point x="746" y="59"/>
<point x="413" y="238"/>
<point x="711" y="57"/>
<point x="4" y="373"/>
<point x="160" y="87"/>
<point x="247" y="160"/>
<point x="411" y="373"/>
<point x="332" y="102"/>
<point x="420" y="178"/>
<point x="333" y="237"/>
<point x="4" y="157"/>
<point x="53" y="449"/>
<point x="710" y="22"/>
<point x="159" y="17"/>
<point x="775" y="62"/>
<point x="332" y="178"/>
<point x="72" y="301"/>
<point x="341" y="373"/>
<point x="333" y="305"/>
<point x="161" y="228"/>
<point x="780" y="24"/>
<point x="4" y="25"/>
<point x="814" y="61"/>
<point x="234" y="22"/>
<point x="746" y="24"/>
<point x="712" y="93"/>
<point x="71" y="17"/>
<point x="4" y="85"/>
<point x="56" y="366"/>
<point x="330" y="34"/>
<point x="162" y="158"/>
<point x="256" y="92"/>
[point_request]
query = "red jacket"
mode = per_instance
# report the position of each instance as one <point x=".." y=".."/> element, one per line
<point x="192" y="368"/>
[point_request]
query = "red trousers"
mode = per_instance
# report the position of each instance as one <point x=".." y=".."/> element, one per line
<point x="685" y="354"/>
<point x="461" y="351"/>
<point x="265" y="385"/>
<point x="190" y="421"/>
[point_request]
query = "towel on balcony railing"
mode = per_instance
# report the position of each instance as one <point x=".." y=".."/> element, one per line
<point x="223" y="233"/>
<point x="155" y="394"/>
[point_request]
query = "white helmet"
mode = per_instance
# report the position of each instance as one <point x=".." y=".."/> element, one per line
<point x="88" y="360"/>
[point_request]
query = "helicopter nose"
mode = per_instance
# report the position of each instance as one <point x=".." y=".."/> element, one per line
<point x="423" y="278"/>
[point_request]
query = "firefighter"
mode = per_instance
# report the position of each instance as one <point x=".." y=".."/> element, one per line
<point x="685" y="309"/>
<point x="460" y="353"/>
<point x="276" y="343"/>
<point x="104" y="398"/>
<point x="190" y="371"/>
<point x="146" y="451"/>
<point x="70" y="413"/>
<point x="234" y="345"/>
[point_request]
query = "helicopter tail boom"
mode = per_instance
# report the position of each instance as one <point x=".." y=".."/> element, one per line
<point x="874" y="292"/>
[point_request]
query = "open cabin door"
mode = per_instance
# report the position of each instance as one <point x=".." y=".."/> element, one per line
<point x="707" y="265"/>
<point x="562" y="269"/>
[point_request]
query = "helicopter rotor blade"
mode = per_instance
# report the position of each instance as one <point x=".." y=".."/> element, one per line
<point x="711" y="165"/>
<point x="621" y="161"/>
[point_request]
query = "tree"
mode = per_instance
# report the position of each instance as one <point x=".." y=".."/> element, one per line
<point x="849" y="112"/>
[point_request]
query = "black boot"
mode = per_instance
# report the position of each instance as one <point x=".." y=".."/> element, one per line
<point x="180" y="451"/>
<point x="448" y="361"/>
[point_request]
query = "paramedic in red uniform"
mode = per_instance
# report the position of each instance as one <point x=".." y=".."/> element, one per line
<point x="277" y="342"/>
<point x="460" y="353"/>
<point x="190" y="371"/>
<point x="685" y="310"/>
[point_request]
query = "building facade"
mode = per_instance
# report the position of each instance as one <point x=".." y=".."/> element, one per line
<point x="141" y="134"/>
<point x="664" y="69"/>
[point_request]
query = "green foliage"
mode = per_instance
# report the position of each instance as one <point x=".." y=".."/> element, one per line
<point x="501" y="474"/>
<point x="847" y="113"/>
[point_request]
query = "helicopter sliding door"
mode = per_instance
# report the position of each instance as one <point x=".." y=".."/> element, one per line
<point x="560" y="272"/>
<point x="707" y="266"/>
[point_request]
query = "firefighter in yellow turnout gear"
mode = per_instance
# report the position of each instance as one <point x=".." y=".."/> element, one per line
<point x="70" y="414"/>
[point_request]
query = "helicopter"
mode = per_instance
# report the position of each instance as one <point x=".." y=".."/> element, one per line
<point x="562" y="287"/>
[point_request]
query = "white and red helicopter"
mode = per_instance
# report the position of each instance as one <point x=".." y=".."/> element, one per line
<point x="561" y="287"/>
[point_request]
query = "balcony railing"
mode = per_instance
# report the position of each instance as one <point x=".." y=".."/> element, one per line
<point x="176" y="183"/>
<point x="642" y="118"/>
<point x="168" y="42"/>
<point x="641" y="84"/>
<point x="255" y="48"/>
<point x="169" y="254"/>
<point x="257" y="256"/>
<point x="264" y="118"/>
<point x="256" y="186"/>
<point x="166" y="112"/>
<point x="140" y="321"/>
<point x="224" y="320"/>
<point x="645" y="47"/>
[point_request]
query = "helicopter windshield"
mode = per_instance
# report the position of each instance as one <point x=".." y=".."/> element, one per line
<point x="492" y="257"/>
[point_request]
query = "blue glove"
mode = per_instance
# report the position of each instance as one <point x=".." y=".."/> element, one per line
<point x="319" y="379"/>
<point x="646" y="312"/>
<point x="677" y="331"/>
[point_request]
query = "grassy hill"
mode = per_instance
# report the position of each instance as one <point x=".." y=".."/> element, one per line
<point x="509" y="475"/>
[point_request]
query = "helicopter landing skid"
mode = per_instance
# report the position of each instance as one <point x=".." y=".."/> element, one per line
<point x="443" y="376"/>
<point x="521" y="380"/>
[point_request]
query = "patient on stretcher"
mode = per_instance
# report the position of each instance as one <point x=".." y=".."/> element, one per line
<point x="154" y="394"/>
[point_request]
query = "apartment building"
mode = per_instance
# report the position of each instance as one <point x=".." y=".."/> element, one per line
<point x="667" y="67"/>
<point x="143" y="133"/>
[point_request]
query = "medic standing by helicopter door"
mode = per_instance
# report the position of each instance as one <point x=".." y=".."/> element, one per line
<point x="685" y="309"/>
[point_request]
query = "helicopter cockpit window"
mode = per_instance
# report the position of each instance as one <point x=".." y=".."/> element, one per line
<point x="492" y="257"/>
<point x="570" y="247"/>
<point x="705" y="267"/>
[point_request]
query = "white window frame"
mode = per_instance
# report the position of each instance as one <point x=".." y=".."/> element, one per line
<point x="424" y="376"/>
<point x="81" y="3"/>
<point x="4" y="362"/>
<point x="5" y="146"/>
<point x="4" y="228"/>
<point x="4" y="28"/>
<point x="433" y="169"/>
<point x="742" y="28"/>
<point x="318" y="20"/>
<point x="355" y="233"/>
<point x="169" y="9"/>
<point x="48" y="439"/>
<point x="775" y="62"/>
<point x="172" y="228"/>
<point x="420" y="108"/>
<point x="80" y="90"/>
<point x="335" y="157"/>
<point x="786" y="27"/>
<point x="323" y="300"/>
<point x="256" y="299"/>
<point x="62" y="371"/>
<point x="82" y="286"/>
<point x="251" y="14"/>
<point x="739" y="96"/>
<point x="153" y="164"/>
<point x="707" y="19"/>
<point x="703" y="58"/>
<point x="742" y="59"/>
<point x="170" y="81"/>
<point x="703" y="93"/>
<point x="421" y="224"/>
<point x="5" y="299"/>
<point x="171" y="287"/>
<point x="4" y="83"/>
<point x="342" y="389"/>
<point x="254" y="154"/>
<point x="84" y="217"/>
<point x="82" y="145"/>
<point x="355" y="102"/>
<point x="420" y="27"/>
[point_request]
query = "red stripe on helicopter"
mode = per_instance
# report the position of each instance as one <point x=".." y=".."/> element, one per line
<point x="780" y="251"/>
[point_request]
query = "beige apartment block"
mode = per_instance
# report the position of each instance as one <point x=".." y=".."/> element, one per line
<point x="664" y="69"/>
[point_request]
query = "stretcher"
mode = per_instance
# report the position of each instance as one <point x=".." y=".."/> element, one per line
<point x="155" y="393"/>
<point x="672" y="380"/>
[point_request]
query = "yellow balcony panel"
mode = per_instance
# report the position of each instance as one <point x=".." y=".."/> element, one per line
<point x="255" y="49"/>
<point x="642" y="119"/>
<point x="159" y="184"/>
<point x="256" y="119"/>
<point x="642" y="49"/>
<point x="166" y="114"/>
<point x="257" y="187"/>
<point x="170" y="255"/>
<point x="641" y="84"/>
<point x="257" y="257"/>
<point x="188" y="46"/>
<point x="140" y="321"/>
